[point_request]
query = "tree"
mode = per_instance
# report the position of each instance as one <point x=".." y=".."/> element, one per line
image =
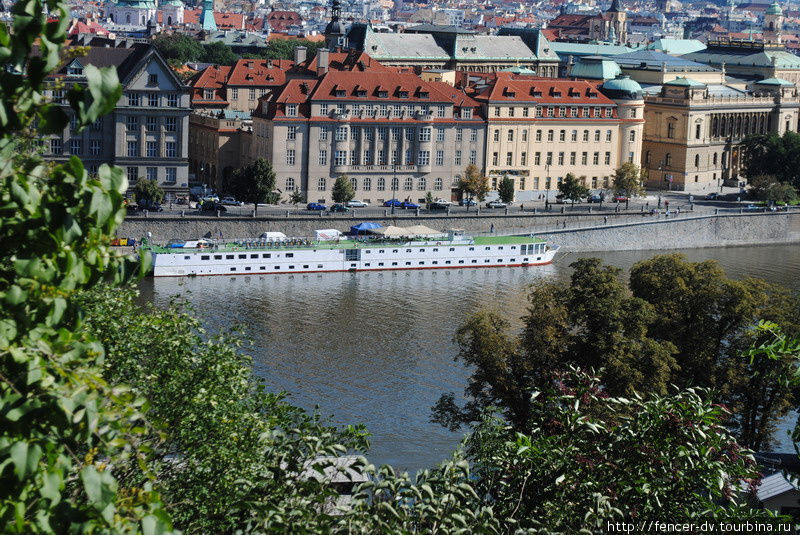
<point x="63" y="428"/>
<point x="178" y="47"/>
<point x="782" y="193"/>
<point x="759" y="186"/>
<point x="148" y="190"/>
<point x="572" y="189"/>
<point x="297" y="196"/>
<point x="473" y="183"/>
<point x="772" y="154"/>
<point x="219" y="53"/>
<point x="506" y="190"/>
<point x="428" y="199"/>
<point x="284" y="48"/>
<point x="588" y="460"/>
<point x="629" y="179"/>
<point x="254" y="183"/>
<point x="343" y="189"/>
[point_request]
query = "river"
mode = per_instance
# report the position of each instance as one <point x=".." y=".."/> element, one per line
<point x="376" y="348"/>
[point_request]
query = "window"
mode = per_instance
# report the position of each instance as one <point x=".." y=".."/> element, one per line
<point x="234" y="93"/>
<point x="353" y="157"/>
<point x="466" y="113"/>
<point x="496" y="135"/>
<point x="367" y="157"/>
<point x="459" y="134"/>
<point x="323" y="109"/>
<point x="439" y="111"/>
<point x="424" y="134"/>
<point x="133" y="148"/>
<point x="151" y="149"/>
<point x="597" y="112"/>
<point x="671" y="130"/>
<point x="354" y="183"/>
<point x="668" y="160"/>
<point x="585" y="136"/>
<point x="340" y="157"/>
<point x="251" y="94"/>
<point x="608" y="158"/>
<point x="537" y="158"/>
<point x="133" y="174"/>
<point x="697" y="160"/>
<point x="572" y="156"/>
<point x="152" y="173"/>
<point x="596" y="158"/>
<point x="171" y="149"/>
<point x="562" y="135"/>
<point x="573" y="112"/>
<point x="408" y="184"/>
<point x="457" y="158"/>
<point x="321" y="184"/>
<point x="550" y="111"/>
<point x="511" y="111"/>
<point x="525" y="135"/>
<point x="152" y="100"/>
<point x="290" y="157"/>
<point x="323" y="133"/>
<point x="367" y="183"/>
<point x="341" y="133"/>
<point x="97" y="125"/>
<point x="76" y="146"/>
<point x="424" y="157"/>
<point x="439" y="157"/>
<point x="597" y="135"/>
<point x="549" y="135"/>
<point x="397" y="133"/>
<point x="538" y="111"/>
<point x="584" y="158"/>
<point x="697" y="128"/>
<point x="560" y="158"/>
<point x="523" y="158"/>
<point x="440" y="134"/>
<point x="647" y="156"/>
<point x="291" y="110"/>
<point x="510" y="135"/>
<point x="381" y="184"/>
<point x="473" y="135"/>
<point x="152" y="79"/>
<point x="410" y="134"/>
<point x="290" y="184"/>
<point x="497" y="111"/>
<point x="171" y="124"/>
<point x="132" y="123"/>
<point x="172" y="101"/>
<point x="538" y="135"/>
<point x="151" y="124"/>
<point x="633" y="135"/>
<point x="473" y="156"/>
<point x="94" y="147"/>
<point x="562" y="111"/>
<point x="509" y="158"/>
<point x="422" y="184"/>
<point x="438" y="184"/>
<point x="525" y="111"/>
<point x="323" y="157"/>
<point x="133" y="99"/>
<point x="291" y="133"/>
<point x="608" y="135"/>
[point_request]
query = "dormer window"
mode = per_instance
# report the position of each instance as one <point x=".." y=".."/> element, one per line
<point x="555" y="92"/>
<point x="340" y="93"/>
<point x="361" y="93"/>
<point x="152" y="79"/>
<point x="291" y="110"/>
<point x="423" y="94"/>
<point x="402" y="94"/>
<point x="383" y="94"/>
<point x="466" y="113"/>
<point x="536" y="92"/>
<point x="75" y="69"/>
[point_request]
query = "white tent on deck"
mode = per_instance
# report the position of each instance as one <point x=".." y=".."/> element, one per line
<point x="416" y="231"/>
<point x="328" y="234"/>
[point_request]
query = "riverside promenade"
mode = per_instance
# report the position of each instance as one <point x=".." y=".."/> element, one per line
<point x="574" y="231"/>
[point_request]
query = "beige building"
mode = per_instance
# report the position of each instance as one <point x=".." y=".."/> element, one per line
<point x="693" y="131"/>
<point x="393" y="134"/>
<point x="538" y="130"/>
<point x="216" y="146"/>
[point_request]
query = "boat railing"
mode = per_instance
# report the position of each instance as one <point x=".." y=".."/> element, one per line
<point x="305" y="243"/>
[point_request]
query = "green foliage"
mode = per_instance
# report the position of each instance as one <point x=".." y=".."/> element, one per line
<point x="771" y="154"/>
<point x="506" y="190"/>
<point x="218" y="53"/>
<point x="297" y="196"/>
<point x="572" y="189"/>
<point x="767" y="188"/>
<point x="178" y="47"/>
<point x="588" y="459"/>
<point x="342" y="189"/>
<point x="629" y="180"/>
<point x="428" y="198"/>
<point x="254" y="183"/>
<point x="284" y="48"/>
<point x="473" y="183"/>
<point x="63" y="428"/>
<point x="148" y="190"/>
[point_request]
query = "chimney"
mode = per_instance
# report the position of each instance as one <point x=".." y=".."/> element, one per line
<point x="300" y="54"/>
<point x="322" y="61"/>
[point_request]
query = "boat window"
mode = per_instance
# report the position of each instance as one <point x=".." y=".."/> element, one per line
<point x="394" y="250"/>
<point x="474" y="261"/>
<point x="205" y="257"/>
<point x="217" y="257"/>
<point x="253" y="256"/>
<point x="305" y="266"/>
<point x="289" y="255"/>
<point x="538" y="258"/>
<point x="513" y="246"/>
<point x="525" y="259"/>
<point x="513" y="260"/>
<point x="422" y="263"/>
<point x="367" y="264"/>
<point x="380" y="251"/>
<point x="186" y="257"/>
<point x="368" y="251"/>
<point x="447" y="262"/>
<point x="460" y="261"/>
<point x="408" y="250"/>
<point x="228" y="257"/>
<point x="408" y="263"/>
<point x="319" y="266"/>
<point x="394" y="263"/>
<point x="265" y="255"/>
<point x="242" y="256"/>
<point x="471" y="248"/>
<point x="233" y="269"/>
<point x="277" y="267"/>
<point x="499" y="248"/>
<point x="435" y="250"/>
<point x="434" y="262"/>
<point x="291" y="267"/>
<point x="452" y="248"/>
<point x="263" y="268"/>
<point x="422" y="250"/>
<point x="380" y="264"/>
<point x="486" y="261"/>
<point x="487" y="248"/>
<point x="522" y="249"/>
<point x="247" y="268"/>
<point x="499" y="259"/>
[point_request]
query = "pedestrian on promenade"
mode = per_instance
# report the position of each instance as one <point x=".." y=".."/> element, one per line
<point x="565" y="223"/>
<point x="605" y="220"/>
<point x="491" y="229"/>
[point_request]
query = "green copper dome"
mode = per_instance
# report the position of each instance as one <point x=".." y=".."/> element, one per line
<point x="622" y="87"/>
<point x="774" y="9"/>
<point x="176" y="3"/>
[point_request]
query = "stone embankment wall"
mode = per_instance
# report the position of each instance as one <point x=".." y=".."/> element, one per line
<point x="583" y="232"/>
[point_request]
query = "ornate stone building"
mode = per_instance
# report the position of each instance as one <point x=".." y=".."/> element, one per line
<point x="693" y="131"/>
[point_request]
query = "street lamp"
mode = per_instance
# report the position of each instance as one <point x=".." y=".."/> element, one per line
<point x="394" y="182"/>
<point x="661" y="173"/>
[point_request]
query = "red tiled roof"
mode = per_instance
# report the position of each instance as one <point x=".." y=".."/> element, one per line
<point x="228" y="21"/>
<point x="273" y="36"/>
<point x="192" y="16"/>
<point x="508" y="87"/>
<point x="570" y="21"/>
<point x="91" y="26"/>
<point x="280" y="21"/>
<point x="259" y="72"/>
<point x="343" y="61"/>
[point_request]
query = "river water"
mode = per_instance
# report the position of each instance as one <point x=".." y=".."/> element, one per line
<point x="376" y="348"/>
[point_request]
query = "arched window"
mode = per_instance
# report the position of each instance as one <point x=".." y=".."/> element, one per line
<point x="290" y="184"/>
<point x="395" y="184"/>
<point x="367" y="184"/>
<point x="647" y="156"/>
<point x="381" y="184"/>
<point x="697" y="160"/>
<point x="321" y="184"/>
<point x="668" y="160"/>
<point x="354" y="183"/>
<point x="714" y="127"/>
<point x="437" y="184"/>
<point x="408" y="183"/>
<point x="714" y="160"/>
<point x="127" y="18"/>
<point x="456" y="181"/>
<point x="422" y="184"/>
<point x="169" y="20"/>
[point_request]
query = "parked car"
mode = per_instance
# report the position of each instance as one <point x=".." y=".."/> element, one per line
<point x="181" y="200"/>
<point x="150" y="206"/>
<point x="316" y="206"/>
<point x="408" y="205"/>
<point x="339" y="208"/>
<point x="712" y="196"/>
<point x="393" y="202"/>
<point x="467" y="202"/>
<point x="594" y="199"/>
<point x="621" y="198"/>
<point x="213" y="197"/>
<point x="496" y="204"/>
<point x="440" y="204"/>
<point x="357" y="204"/>
<point x="212" y="207"/>
<point x="230" y="201"/>
<point x="752" y="207"/>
